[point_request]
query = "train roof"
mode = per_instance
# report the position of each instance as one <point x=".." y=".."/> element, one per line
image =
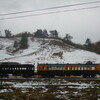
<point x="68" y="64"/>
<point x="10" y="63"/>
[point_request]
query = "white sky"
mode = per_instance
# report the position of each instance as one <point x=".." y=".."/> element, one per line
<point x="80" y="24"/>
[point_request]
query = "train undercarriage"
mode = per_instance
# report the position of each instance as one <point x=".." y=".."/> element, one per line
<point x="84" y="74"/>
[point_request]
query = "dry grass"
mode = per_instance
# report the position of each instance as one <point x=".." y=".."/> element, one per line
<point x="50" y="92"/>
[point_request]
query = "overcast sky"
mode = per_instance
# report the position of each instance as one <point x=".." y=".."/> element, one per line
<point x="79" y="24"/>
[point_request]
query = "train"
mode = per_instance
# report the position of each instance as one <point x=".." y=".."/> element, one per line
<point x="49" y="70"/>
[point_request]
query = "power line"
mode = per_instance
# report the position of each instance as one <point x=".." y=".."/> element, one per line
<point x="77" y="4"/>
<point x="52" y="12"/>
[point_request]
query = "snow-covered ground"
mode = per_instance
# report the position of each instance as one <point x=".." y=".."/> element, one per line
<point x="61" y="87"/>
<point x="45" y="51"/>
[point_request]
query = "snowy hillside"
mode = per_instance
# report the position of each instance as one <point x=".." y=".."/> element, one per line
<point x="44" y="51"/>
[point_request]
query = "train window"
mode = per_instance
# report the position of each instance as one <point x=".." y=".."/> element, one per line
<point x="67" y="68"/>
<point x="62" y="68"/>
<point x="47" y="68"/>
<point x="79" y="68"/>
<point x="32" y="68"/>
<point x="52" y="68"/>
<point x="93" y="68"/>
<point x="88" y="68"/>
<point x="82" y="68"/>
<point x="28" y="68"/>
<point x="72" y="68"/>
<point x="57" y="68"/>
<point x="85" y="68"/>
<point x="75" y="68"/>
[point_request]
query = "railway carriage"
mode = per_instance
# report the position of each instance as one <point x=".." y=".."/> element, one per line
<point x="50" y="70"/>
<point x="85" y="70"/>
<point x="25" y="70"/>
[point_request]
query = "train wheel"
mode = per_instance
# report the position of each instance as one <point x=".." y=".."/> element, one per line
<point x="93" y="75"/>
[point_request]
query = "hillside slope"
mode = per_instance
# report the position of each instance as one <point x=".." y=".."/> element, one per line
<point x="44" y="51"/>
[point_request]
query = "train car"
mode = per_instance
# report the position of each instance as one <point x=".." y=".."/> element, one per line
<point x="85" y="70"/>
<point x="25" y="70"/>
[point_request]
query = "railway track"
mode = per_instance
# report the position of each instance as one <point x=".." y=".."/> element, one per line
<point x="66" y="78"/>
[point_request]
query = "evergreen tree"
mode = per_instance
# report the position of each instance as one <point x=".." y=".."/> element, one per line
<point x="8" y="33"/>
<point x="15" y="44"/>
<point x="54" y="34"/>
<point x="40" y="33"/>
<point x="68" y="38"/>
<point x="89" y="45"/>
<point x="97" y="47"/>
<point x="88" y="42"/>
<point x="24" y="41"/>
<point x="45" y="33"/>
